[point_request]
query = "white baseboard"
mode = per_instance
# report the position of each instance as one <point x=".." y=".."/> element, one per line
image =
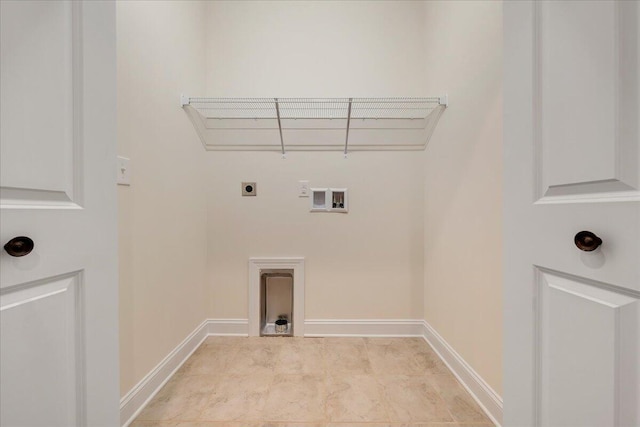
<point x="331" y="327"/>
<point x="363" y="328"/>
<point x="486" y="397"/>
<point x="138" y="397"/>
<point x="232" y="327"/>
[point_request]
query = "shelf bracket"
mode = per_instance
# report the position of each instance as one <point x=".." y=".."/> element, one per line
<point x="184" y="100"/>
<point x="346" y="141"/>
<point x="284" y="156"/>
<point x="444" y="100"/>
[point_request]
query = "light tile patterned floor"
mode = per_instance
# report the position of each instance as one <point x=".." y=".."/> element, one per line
<point x="313" y="382"/>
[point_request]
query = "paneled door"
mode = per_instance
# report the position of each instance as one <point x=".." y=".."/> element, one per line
<point x="572" y="156"/>
<point x="58" y="300"/>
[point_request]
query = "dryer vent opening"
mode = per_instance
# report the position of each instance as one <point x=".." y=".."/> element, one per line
<point x="276" y="303"/>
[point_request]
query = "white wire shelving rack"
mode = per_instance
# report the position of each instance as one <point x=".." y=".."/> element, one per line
<point x="407" y="123"/>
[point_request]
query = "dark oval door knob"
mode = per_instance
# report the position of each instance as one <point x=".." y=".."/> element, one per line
<point x="587" y="241"/>
<point x="19" y="246"/>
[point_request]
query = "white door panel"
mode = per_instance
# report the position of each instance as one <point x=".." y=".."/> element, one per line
<point x="572" y="163"/>
<point x="58" y="304"/>
<point x="40" y="112"/>
<point x="582" y="325"/>
<point x="41" y="327"/>
<point x="587" y="99"/>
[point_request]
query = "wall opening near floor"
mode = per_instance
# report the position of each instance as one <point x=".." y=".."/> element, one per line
<point x="276" y="303"/>
<point x="276" y="288"/>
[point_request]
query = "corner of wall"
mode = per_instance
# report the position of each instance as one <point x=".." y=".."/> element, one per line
<point x="463" y="186"/>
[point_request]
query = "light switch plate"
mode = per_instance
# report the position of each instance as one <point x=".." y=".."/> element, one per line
<point x="303" y="188"/>
<point x="124" y="171"/>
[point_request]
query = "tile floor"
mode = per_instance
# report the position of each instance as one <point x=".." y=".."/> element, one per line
<point x="313" y="382"/>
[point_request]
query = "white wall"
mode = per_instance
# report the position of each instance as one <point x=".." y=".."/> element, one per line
<point x="463" y="183"/>
<point x="162" y="216"/>
<point x="422" y="237"/>
<point x="315" y="48"/>
<point x="367" y="263"/>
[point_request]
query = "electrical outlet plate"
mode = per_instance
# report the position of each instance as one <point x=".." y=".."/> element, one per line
<point x="249" y="189"/>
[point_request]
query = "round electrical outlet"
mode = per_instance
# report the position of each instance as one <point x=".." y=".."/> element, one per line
<point x="249" y="189"/>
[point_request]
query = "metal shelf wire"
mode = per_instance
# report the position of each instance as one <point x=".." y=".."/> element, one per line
<point x="315" y="108"/>
<point x="287" y="109"/>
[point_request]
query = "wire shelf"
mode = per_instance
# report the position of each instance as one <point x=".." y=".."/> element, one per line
<point x="315" y="108"/>
<point x="337" y="123"/>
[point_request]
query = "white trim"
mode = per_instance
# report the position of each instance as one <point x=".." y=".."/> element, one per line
<point x="291" y="263"/>
<point x="231" y="327"/>
<point x="482" y="392"/>
<point x="137" y="398"/>
<point x="363" y="328"/>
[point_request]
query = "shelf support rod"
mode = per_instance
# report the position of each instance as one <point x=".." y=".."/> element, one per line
<point x="280" y="128"/>
<point x="346" y="141"/>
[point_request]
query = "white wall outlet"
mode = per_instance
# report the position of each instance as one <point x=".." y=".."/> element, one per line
<point x="303" y="188"/>
<point x="124" y="171"/>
